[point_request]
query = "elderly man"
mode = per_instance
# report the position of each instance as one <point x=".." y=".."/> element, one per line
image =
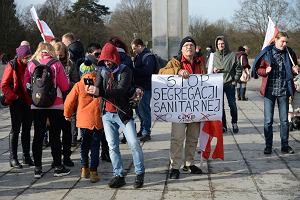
<point x="184" y="64"/>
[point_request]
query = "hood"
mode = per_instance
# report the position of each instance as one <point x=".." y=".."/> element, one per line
<point x="109" y="52"/>
<point x="76" y="50"/>
<point x="226" y="50"/>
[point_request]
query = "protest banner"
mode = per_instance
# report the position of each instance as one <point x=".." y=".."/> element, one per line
<point x="198" y="98"/>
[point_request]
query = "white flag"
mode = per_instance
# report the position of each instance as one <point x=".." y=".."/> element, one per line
<point x="272" y="31"/>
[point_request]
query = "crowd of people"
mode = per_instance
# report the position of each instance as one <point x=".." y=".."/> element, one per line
<point x="61" y="88"/>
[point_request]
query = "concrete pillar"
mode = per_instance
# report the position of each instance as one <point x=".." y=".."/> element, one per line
<point x="169" y="26"/>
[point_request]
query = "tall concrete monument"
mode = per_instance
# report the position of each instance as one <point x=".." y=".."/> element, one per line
<point x="169" y="26"/>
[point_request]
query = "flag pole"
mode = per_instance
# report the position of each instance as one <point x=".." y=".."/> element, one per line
<point x="290" y="57"/>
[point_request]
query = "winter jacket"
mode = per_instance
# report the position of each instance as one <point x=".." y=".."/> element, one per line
<point x="264" y="60"/>
<point x="143" y="69"/>
<point x="88" y="106"/>
<point x="227" y="63"/>
<point x="121" y="82"/>
<point x="174" y="65"/>
<point x="12" y="82"/>
<point x="60" y="80"/>
<point x="244" y="62"/>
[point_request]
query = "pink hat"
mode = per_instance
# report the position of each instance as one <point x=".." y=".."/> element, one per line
<point x="23" y="51"/>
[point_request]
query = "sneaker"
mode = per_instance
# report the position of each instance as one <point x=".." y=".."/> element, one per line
<point x="85" y="172"/>
<point x="61" y="171"/>
<point x="145" y="138"/>
<point x="139" y="181"/>
<point x="117" y="182"/>
<point x="139" y="134"/>
<point x="38" y="172"/>
<point x="193" y="169"/>
<point x="68" y="162"/>
<point x="94" y="178"/>
<point x="287" y="150"/>
<point x="123" y="140"/>
<point x="235" y="128"/>
<point x="105" y="157"/>
<point x="46" y="143"/>
<point x="291" y="127"/>
<point x="27" y="161"/>
<point x="268" y="150"/>
<point x="174" y="174"/>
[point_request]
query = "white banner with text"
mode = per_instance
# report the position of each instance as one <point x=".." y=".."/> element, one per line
<point x="198" y="98"/>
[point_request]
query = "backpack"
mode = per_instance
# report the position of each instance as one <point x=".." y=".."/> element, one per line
<point x="43" y="89"/>
<point x="159" y="61"/>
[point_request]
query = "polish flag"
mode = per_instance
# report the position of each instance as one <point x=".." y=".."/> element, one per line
<point x="46" y="32"/>
<point x="271" y="33"/>
<point x="209" y="130"/>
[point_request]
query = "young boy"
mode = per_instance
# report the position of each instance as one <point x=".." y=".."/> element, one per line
<point x="88" y="120"/>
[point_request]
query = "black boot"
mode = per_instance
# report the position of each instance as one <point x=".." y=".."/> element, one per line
<point x="243" y="93"/>
<point x="238" y="93"/>
<point x="13" y="149"/>
<point x="27" y="160"/>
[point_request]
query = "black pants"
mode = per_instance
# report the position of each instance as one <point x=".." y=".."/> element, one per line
<point x="66" y="139"/>
<point x="21" y="115"/>
<point x="56" y="119"/>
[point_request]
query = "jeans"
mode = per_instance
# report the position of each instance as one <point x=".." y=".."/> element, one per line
<point x="90" y="141"/>
<point x="269" y="104"/>
<point x="112" y="123"/>
<point x="144" y="113"/>
<point x="66" y="139"/>
<point x="229" y="90"/>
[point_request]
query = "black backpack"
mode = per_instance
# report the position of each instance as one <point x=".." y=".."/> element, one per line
<point x="43" y="90"/>
<point x="159" y="61"/>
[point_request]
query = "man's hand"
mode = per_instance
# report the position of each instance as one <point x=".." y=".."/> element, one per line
<point x="68" y="118"/>
<point x="268" y="69"/>
<point x="184" y="73"/>
<point x="295" y="69"/>
<point x="216" y="70"/>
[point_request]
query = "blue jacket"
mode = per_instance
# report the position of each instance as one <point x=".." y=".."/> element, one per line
<point x="263" y="60"/>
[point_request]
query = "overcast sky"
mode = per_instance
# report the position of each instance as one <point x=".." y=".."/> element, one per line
<point x="208" y="9"/>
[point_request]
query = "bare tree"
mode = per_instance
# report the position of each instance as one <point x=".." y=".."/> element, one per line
<point x="132" y="17"/>
<point x="253" y="15"/>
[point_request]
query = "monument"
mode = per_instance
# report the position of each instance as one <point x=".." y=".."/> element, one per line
<point x="169" y="26"/>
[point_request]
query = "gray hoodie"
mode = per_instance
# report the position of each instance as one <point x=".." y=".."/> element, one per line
<point x="227" y="63"/>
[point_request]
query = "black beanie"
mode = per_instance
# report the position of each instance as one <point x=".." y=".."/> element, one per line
<point x="186" y="39"/>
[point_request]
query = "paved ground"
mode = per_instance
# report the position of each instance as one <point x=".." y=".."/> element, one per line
<point x="246" y="173"/>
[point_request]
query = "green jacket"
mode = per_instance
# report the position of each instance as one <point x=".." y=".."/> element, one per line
<point x="227" y="63"/>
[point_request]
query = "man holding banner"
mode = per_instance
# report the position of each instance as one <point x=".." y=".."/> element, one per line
<point x="185" y="64"/>
<point x="277" y="65"/>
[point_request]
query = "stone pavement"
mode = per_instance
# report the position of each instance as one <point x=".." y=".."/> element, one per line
<point x="246" y="173"/>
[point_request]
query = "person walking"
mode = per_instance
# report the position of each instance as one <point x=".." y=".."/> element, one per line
<point x="277" y="65"/>
<point x="242" y="56"/>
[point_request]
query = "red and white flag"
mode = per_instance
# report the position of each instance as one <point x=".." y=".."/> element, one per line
<point x="272" y="31"/>
<point x="46" y="32"/>
<point x="209" y="130"/>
